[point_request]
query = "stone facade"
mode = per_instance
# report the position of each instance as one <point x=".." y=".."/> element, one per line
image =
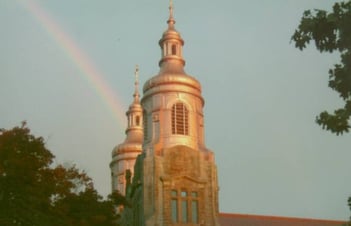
<point x="180" y="174"/>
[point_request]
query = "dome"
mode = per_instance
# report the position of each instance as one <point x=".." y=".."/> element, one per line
<point x="171" y="77"/>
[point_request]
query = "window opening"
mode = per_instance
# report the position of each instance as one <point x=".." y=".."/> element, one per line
<point x="184" y="207"/>
<point x="174" y="208"/>
<point x="174" y="49"/>
<point x="129" y="120"/>
<point x="180" y="119"/>
<point x="145" y="124"/>
<point x="184" y="211"/>
<point x="194" y="211"/>
<point x="174" y="193"/>
<point x="137" y="120"/>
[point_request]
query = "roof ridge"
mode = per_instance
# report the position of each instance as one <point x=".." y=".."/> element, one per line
<point x="279" y="217"/>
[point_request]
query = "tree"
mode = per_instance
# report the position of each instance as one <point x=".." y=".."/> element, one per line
<point x="349" y="203"/>
<point x="24" y="172"/>
<point x="33" y="192"/>
<point x="331" y="31"/>
<point x="118" y="199"/>
<point x="86" y="208"/>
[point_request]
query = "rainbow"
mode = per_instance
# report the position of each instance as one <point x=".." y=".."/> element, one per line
<point x="80" y="59"/>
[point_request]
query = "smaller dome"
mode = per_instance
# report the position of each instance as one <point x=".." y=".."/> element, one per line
<point x="171" y="33"/>
<point x="127" y="148"/>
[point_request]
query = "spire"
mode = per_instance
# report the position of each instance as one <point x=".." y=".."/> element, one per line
<point x="170" y="9"/>
<point x="171" y="20"/>
<point x="136" y="94"/>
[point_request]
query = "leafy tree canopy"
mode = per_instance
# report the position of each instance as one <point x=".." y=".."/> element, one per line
<point x="33" y="192"/>
<point x="331" y="31"/>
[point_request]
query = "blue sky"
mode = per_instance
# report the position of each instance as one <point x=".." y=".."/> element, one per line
<point x="261" y="94"/>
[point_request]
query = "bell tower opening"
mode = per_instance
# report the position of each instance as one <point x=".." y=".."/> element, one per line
<point x="137" y="120"/>
<point x="174" y="49"/>
<point x="180" y="122"/>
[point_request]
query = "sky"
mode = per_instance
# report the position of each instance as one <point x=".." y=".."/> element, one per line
<point x="67" y="68"/>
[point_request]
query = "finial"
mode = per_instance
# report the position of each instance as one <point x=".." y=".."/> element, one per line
<point x="136" y="74"/>
<point x="171" y="20"/>
<point x="136" y="94"/>
<point x="170" y="9"/>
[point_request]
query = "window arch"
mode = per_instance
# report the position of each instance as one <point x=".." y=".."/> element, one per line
<point x="180" y="121"/>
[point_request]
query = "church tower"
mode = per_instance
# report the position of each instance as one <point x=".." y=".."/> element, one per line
<point x="124" y="155"/>
<point x="179" y="177"/>
<point x="175" y="176"/>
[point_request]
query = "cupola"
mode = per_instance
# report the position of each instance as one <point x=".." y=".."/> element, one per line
<point x="124" y="155"/>
<point x="171" y="43"/>
<point x="171" y="63"/>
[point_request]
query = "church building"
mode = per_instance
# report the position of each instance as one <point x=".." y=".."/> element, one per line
<point x="163" y="167"/>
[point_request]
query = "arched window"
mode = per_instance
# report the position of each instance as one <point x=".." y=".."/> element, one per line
<point x="180" y="119"/>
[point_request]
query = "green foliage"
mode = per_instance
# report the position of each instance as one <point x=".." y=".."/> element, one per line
<point x="331" y="32"/>
<point x="34" y="193"/>
<point x="86" y="209"/>
<point x="118" y="199"/>
<point x="24" y="172"/>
